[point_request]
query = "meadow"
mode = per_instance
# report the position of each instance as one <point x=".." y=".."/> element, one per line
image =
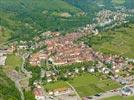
<point x="85" y="84"/>
<point x="116" y="41"/>
<point x="13" y="62"/>
<point x="88" y="84"/>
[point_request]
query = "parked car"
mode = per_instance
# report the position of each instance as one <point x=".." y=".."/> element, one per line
<point x="97" y="95"/>
<point x="90" y="97"/>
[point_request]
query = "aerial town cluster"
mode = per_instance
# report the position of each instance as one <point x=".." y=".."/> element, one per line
<point x="106" y="17"/>
<point x="63" y="50"/>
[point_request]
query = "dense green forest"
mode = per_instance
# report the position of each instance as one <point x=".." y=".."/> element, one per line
<point x="25" y="18"/>
<point x="22" y="19"/>
<point x="7" y="88"/>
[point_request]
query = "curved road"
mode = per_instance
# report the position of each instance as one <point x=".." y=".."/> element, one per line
<point x="28" y="75"/>
<point x="74" y="90"/>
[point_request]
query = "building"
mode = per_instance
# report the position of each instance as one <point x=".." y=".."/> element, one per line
<point x="61" y="50"/>
<point x="127" y="91"/>
<point x="2" y="59"/>
<point x="91" y="70"/>
<point x="38" y="93"/>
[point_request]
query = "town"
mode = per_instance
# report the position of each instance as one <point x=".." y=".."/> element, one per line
<point x="62" y="60"/>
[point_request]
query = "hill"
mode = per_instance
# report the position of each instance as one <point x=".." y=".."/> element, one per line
<point x="116" y="41"/>
<point x="7" y="88"/>
<point x="22" y="19"/>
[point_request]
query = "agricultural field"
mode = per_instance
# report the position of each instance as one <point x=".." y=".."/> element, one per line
<point x="7" y="88"/>
<point x="85" y="84"/>
<point x="55" y="85"/>
<point x="88" y="84"/>
<point x="120" y="98"/>
<point x="117" y="41"/>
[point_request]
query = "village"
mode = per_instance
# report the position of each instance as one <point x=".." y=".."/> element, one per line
<point x="61" y="58"/>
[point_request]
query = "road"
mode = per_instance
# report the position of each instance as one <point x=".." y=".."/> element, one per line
<point x="18" y="86"/>
<point x="79" y="98"/>
<point x="28" y="75"/>
<point x="106" y="95"/>
<point x="109" y="94"/>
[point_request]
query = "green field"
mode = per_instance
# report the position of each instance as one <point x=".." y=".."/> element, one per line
<point x="13" y="61"/>
<point x="85" y="84"/>
<point x="7" y="88"/>
<point x="120" y="98"/>
<point x="88" y="84"/>
<point x="29" y="95"/>
<point x="118" y="1"/>
<point x="55" y="85"/>
<point x="117" y="41"/>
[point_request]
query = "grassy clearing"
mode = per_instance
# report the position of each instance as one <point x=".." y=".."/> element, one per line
<point x="55" y="85"/>
<point x="88" y="84"/>
<point x="29" y="95"/>
<point x="120" y="98"/>
<point x="13" y="61"/>
<point x="119" y="41"/>
<point x="118" y="2"/>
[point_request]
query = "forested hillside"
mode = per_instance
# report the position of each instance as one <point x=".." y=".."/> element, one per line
<point x="25" y="18"/>
<point x="22" y="19"/>
<point x="8" y="90"/>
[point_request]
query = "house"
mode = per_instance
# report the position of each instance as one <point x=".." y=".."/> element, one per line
<point x="50" y="92"/>
<point x="82" y="68"/>
<point x="36" y="58"/>
<point x="38" y="92"/>
<point x="2" y="59"/>
<point x="49" y="80"/>
<point x="91" y="70"/>
<point x="11" y="49"/>
<point x="106" y="70"/>
<point x="117" y="70"/>
<point x="42" y="73"/>
<point x="23" y="47"/>
<point x="126" y="91"/>
<point x="60" y="91"/>
<point x="76" y="70"/>
<point x="48" y="73"/>
<point x="122" y="80"/>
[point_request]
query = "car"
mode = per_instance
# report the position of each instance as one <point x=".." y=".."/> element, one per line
<point x="97" y="95"/>
<point x="114" y="90"/>
<point x="51" y="97"/>
<point x="90" y="97"/>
